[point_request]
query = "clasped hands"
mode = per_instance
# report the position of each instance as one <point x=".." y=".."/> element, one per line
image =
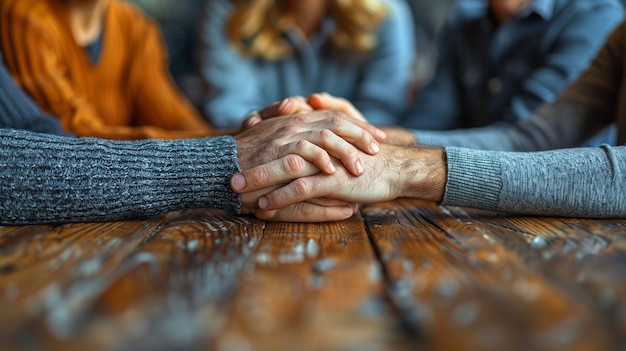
<point x="312" y="160"/>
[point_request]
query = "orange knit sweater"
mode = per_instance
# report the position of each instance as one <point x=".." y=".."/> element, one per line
<point x="126" y="94"/>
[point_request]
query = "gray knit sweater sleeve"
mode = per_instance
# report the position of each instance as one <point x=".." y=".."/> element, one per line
<point x="581" y="182"/>
<point x="56" y="179"/>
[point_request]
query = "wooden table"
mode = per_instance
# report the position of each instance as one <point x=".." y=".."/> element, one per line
<point x="403" y="275"/>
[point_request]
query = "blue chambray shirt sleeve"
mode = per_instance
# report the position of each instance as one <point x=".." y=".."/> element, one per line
<point x="578" y="41"/>
<point x="436" y="107"/>
<point x="383" y="88"/>
<point x="233" y="84"/>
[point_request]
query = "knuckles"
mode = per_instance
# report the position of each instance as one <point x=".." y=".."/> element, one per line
<point x="326" y="134"/>
<point x="258" y="177"/>
<point x="301" y="187"/>
<point x="337" y="121"/>
<point x="302" y="145"/>
<point x="293" y="164"/>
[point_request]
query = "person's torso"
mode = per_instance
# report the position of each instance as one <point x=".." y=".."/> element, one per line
<point x="493" y="62"/>
<point x="311" y="69"/>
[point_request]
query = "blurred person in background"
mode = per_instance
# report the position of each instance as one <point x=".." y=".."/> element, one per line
<point x="99" y="66"/>
<point x="254" y="52"/>
<point x="501" y="59"/>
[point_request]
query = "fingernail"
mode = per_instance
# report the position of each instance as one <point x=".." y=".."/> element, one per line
<point x="347" y="211"/>
<point x="332" y="168"/>
<point x="375" y="147"/>
<point x="239" y="181"/>
<point x="263" y="203"/>
<point x="359" y="167"/>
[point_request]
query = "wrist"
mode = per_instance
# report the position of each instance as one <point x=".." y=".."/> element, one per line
<point x="399" y="136"/>
<point x="422" y="173"/>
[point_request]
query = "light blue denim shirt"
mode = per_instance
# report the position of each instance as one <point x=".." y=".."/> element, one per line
<point x="488" y="74"/>
<point x="378" y="84"/>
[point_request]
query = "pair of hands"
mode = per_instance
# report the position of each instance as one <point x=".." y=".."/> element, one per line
<point x="290" y="139"/>
<point x="289" y="174"/>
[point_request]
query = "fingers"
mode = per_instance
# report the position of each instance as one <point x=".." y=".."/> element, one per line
<point x="307" y="212"/>
<point x="299" y="190"/>
<point x="312" y="153"/>
<point x="288" y="106"/>
<point x="250" y="200"/>
<point x="340" y="149"/>
<point x="252" y="120"/>
<point x="328" y="202"/>
<point x="316" y="127"/>
<point x="325" y="101"/>
<point x="272" y="173"/>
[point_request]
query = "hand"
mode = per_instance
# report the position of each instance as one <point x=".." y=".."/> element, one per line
<point x="314" y="136"/>
<point x="299" y="143"/>
<point x="396" y="172"/>
<point x="394" y="135"/>
<point x="288" y="106"/>
<point x="325" y="101"/>
<point x="322" y="101"/>
<point x="314" y="210"/>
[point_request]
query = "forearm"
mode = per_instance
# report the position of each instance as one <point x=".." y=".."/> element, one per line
<point x="582" y="182"/>
<point x="49" y="179"/>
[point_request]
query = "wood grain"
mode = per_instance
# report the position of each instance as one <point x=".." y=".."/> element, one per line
<point x="402" y="275"/>
<point x="454" y="275"/>
<point x="313" y="287"/>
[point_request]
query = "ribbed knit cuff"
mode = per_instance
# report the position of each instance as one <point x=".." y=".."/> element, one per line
<point x="207" y="172"/>
<point x="474" y="178"/>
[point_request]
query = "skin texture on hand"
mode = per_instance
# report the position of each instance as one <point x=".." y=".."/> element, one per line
<point x="255" y="184"/>
<point x="323" y="101"/>
<point x="313" y="135"/>
<point x="302" y="142"/>
<point x="395" y="172"/>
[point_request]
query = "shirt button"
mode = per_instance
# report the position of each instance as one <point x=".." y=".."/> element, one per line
<point x="494" y="85"/>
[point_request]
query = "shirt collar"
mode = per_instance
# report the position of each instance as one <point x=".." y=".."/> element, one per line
<point x="327" y="28"/>
<point x="470" y="10"/>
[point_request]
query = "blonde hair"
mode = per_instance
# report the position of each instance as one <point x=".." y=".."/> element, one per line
<point x="256" y="27"/>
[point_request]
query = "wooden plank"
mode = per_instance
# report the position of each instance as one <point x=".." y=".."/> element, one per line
<point x="89" y="286"/>
<point x="461" y="287"/>
<point x="52" y="273"/>
<point x="588" y="255"/>
<point x="185" y="279"/>
<point x="313" y="287"/>
<point x="196" y="266"/>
